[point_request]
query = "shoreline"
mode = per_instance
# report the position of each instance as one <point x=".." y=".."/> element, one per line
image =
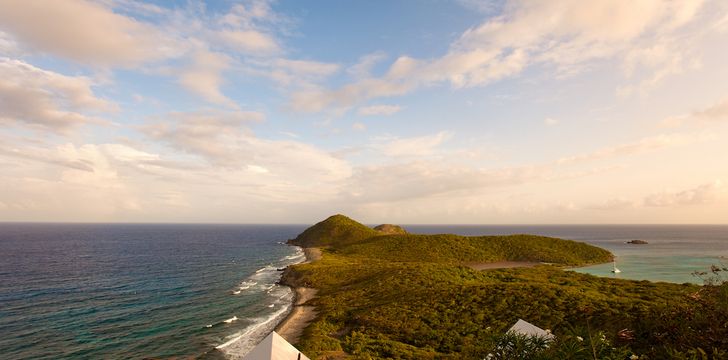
<point x="292" y="326"/>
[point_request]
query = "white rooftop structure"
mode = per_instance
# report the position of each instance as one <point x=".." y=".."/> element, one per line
<point x="274" y="347"/>
<point x="524" y="327"/>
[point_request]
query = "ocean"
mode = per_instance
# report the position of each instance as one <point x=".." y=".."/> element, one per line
<point x="88" y="291"/>
<point x="133" y="291"/>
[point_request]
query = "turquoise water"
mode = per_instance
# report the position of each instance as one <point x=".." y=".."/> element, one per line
<point x="674" y="252"/>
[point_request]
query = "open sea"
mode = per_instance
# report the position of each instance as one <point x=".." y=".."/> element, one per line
<point x="88" y="291"/>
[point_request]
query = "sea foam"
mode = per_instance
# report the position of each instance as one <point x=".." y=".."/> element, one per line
<point x="273" y="311"/>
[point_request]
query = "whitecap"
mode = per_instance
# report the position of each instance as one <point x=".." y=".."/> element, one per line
<point x="242" y="342"/>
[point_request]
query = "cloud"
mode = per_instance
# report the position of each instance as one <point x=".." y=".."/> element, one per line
<point x="358" y="126"/>
<point x="299" y="73"/>
<point x="210" y="134"/>
<point x="413" y="146"/>
<point x="250" y="14"/>
<point x="565" y="34"/>
<point x="716" y="112"/>
<point x="702" y="194"/>
<point x="551" y="122"/>
<point x="396" y="182"/>
<point x="84" y="31"/>
<point x="46" y="100"/>
<point x="189" y="43"/>
<point x="374" y="110"/>
<point x="101" y="190"/>
<point x="362" y="69"/>
<point x="430" y="179"/>
<point x="656" y="62"/>
<point x="203" y="76"/>
<point x="8" y="47"/>
<point x="481" y="6"/>
<point x="249" y="41"/>
<point x="315" y="99"/>
<point x="619" y="203"/>
<point x="224" y="140"/>
<point x="645" y="144"/>
<point x="713" y="113"/>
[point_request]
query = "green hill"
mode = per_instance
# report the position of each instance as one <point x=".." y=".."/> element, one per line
<point x="392" y="243"/>
<point x="337" y="229"/>
<point x="463" y="249"/>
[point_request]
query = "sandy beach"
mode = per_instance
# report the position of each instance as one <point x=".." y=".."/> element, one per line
<point x="292" y="326"/>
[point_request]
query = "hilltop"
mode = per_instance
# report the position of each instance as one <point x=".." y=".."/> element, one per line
<point x="336" y="229"/>
<point x="409" y="296"/>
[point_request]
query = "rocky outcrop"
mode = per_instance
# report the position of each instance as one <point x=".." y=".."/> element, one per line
<point x="637" y="242"/>
<point x="390" y="229"/>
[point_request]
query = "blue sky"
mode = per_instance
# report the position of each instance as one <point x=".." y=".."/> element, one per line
<point x="389" y="111"/>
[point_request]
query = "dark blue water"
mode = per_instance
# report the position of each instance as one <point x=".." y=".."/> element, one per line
<point x="133" y="291"/>
<point x="130" y="291"/>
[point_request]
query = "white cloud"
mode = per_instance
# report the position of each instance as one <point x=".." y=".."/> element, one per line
<point x="8" y="47"/>
<point x="210" y="134"/>
<point x="374" y="110"/>
<point x="204" y="76"/>
<point x="298" y="73"/>
<point x="414" y="146"/>
<point x="46" y="100"/>
<point x="713" y="113"/>
<point x="718" y="111"/>
<point x="224" y="140"/>
<point x="363" y="68"/>
<point x="551" y="122"/>
<point x="566" y="34"/>
<point x="87" y="32"/>
<point x="645" y="144"/>
<point x="249" y="41"/>
<point x="702" y="194"/>
<point x="358" y="126"/>
<point x="614" y="204"/>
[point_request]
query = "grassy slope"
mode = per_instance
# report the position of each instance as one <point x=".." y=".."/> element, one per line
<point x="459" y="249"/>
<point x="405" y="296"/>
<point x="337" y="229"/>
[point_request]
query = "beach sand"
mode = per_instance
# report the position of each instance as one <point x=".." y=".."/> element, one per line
<point x="292" y="326"/>
<point x="501" y="265"/>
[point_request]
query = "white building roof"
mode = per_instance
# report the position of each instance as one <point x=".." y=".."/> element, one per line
<point x="525" y="328"/>
<point x="274" y="347"/>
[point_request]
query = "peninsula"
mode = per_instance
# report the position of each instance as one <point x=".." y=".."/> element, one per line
<point x="386" y="293"/>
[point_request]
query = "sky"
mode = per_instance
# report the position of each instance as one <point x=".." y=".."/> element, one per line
<point x="428" y="111"/>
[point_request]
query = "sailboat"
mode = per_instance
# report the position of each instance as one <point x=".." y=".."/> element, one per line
<point x="615" y="270"/>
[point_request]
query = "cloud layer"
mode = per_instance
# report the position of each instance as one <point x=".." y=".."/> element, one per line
<point x="549" y="111"/>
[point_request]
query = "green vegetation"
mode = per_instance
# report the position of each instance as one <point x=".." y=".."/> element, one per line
<point x="410" y="297"/>
<point x="337" y="229"/>
<point x="463" y="249"/>
<point x="390" y="229"/>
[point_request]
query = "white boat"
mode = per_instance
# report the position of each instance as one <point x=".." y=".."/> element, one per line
<point x="615" y="270"/>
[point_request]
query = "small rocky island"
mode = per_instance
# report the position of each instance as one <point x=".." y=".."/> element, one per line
<point x="637" y="242"/>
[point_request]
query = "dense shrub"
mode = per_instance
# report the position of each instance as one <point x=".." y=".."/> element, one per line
<point x="411" y="297"/>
